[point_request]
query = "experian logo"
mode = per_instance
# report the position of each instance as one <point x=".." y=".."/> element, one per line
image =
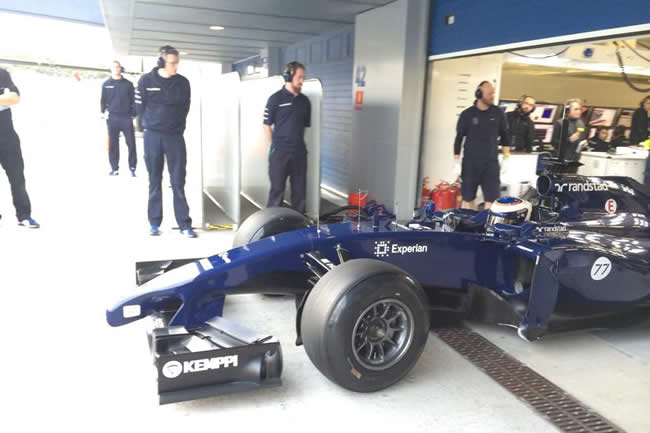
<point x="386" y="248"/>
<point x="173" y="369"/>
<point x="581" y="187"/>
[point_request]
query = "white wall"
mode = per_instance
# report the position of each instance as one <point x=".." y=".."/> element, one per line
<point x="559" y="88"/>
<point x="451" y="86"/>
<point x="391" y="42"/>
<point x="220" y="140"/>
<point x="198" y="73"/>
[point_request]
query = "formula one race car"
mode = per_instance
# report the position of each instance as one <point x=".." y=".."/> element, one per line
<point x="369" y="290"/>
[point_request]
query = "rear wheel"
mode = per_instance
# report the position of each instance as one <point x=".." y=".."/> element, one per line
<point x="365" y="324"/>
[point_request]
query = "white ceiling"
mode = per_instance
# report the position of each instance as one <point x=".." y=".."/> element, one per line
<point x="140" y="27"/>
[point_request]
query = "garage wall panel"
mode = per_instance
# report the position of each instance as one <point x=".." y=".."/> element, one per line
<point x="391" y="45"/>
<point x="329" y="57"/>
<point x="480" y="24"/>
<point x="221" y="150"/>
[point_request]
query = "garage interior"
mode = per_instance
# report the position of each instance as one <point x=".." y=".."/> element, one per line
<point x="70" y="368"/>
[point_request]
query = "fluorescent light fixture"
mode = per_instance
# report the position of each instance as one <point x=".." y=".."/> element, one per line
<point x="217" y="27"/>
<point x="183" y="53"/>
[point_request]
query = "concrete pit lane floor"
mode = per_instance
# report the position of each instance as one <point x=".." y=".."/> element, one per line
<point x="64" y="367"/>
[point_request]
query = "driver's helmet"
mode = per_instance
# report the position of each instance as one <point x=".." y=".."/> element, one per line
<point x="508" y="210"/>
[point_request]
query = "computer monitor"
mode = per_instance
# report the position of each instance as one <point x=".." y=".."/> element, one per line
<point x="544" y="113"/>
<point x="544" y="132"/>
<point x="602" y="116"/>
<point x="625" y="118"/>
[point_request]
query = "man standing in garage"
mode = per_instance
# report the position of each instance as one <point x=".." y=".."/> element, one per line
<point x="289" y="112"/>
<point x="11" y="158"/>
<point x="568" y="144"/>
<point x="162" y="102"/>
<point x="480" y="126"/>
<point x="522" y="128"/>
<point x="640" y="130"/>
<point x="118" y="106"/>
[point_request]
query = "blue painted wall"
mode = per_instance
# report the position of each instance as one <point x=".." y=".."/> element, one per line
<point x="330" y="57"/>
<point x="87" y="11"/>
<point x="483" y="23"/>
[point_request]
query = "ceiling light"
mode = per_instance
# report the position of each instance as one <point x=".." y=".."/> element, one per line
<point x="183" y="53"/>
<point x="217" y="27"/>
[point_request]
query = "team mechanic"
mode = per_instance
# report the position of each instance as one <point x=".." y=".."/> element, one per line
<point x="11" y="157"/>
<point x="569" y="144"/>
<point x="289" y="112"/>
<point x="162" y="102"/>
<point x="117" y="106"/>
<point x="522" y="128"/>
<point x="481" y="125"/>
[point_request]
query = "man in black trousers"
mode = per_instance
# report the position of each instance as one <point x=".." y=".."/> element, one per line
<point x="11" y="158"/>
<point x="118" y="105"/>
<point x="289" y="112"/>
<point x="162" y="102"/>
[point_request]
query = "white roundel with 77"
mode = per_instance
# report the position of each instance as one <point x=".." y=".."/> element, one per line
<point x="601" y="268"/>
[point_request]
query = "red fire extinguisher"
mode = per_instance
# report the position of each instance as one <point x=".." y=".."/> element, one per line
<point x="445" y="196"/>
<point x="455" y="189"/>
<point x="426" y="192"/>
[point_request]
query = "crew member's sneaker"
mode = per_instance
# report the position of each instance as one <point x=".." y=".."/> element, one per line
<point x="29" y="223"/>
<point x="114" y="173"/>
<point x="189" y="233"/>
<point x="133" y="172"/>
<point x="154" y="231"/>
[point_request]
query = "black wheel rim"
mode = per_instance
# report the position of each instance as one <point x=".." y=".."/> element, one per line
<point x="382" y="334"/>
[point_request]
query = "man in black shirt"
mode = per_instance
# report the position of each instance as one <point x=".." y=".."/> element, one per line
<point x="11" y="158"/>
<point x="522" y="128"/>
<point x="118" y="105"/>
<point x="162" y="102"/>
<point x="599" y="142"/>
<point x="569" y="134"/>
<point x="640" y="128"/>
<point x="481" y="125"/>
<point x="289" y="112"/>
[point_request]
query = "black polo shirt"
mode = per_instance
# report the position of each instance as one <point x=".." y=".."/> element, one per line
<point x="289" y="115"/>
<point x="118" y="97"/>
<point x="6" y="85"/>
<point x="481" y="130"/>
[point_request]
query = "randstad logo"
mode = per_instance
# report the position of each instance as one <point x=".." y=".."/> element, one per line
<point x="581" y="187"/>
<point x="386" y="248"/>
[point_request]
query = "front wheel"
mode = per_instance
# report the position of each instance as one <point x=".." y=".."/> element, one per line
<point x="365" y="324"/>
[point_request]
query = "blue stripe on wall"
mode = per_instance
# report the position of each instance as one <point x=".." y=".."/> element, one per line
<point x="482" y="23"/>
<point x="87" y="11"/>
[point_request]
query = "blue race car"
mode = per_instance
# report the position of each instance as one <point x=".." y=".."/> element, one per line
<point x="368" y="290"/>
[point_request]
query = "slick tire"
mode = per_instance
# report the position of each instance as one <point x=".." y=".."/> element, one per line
<point x="268" y="222"/>
<point x="353" y="310"/>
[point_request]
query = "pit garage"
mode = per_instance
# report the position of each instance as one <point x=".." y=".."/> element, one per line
<point x="386" y="296"/>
